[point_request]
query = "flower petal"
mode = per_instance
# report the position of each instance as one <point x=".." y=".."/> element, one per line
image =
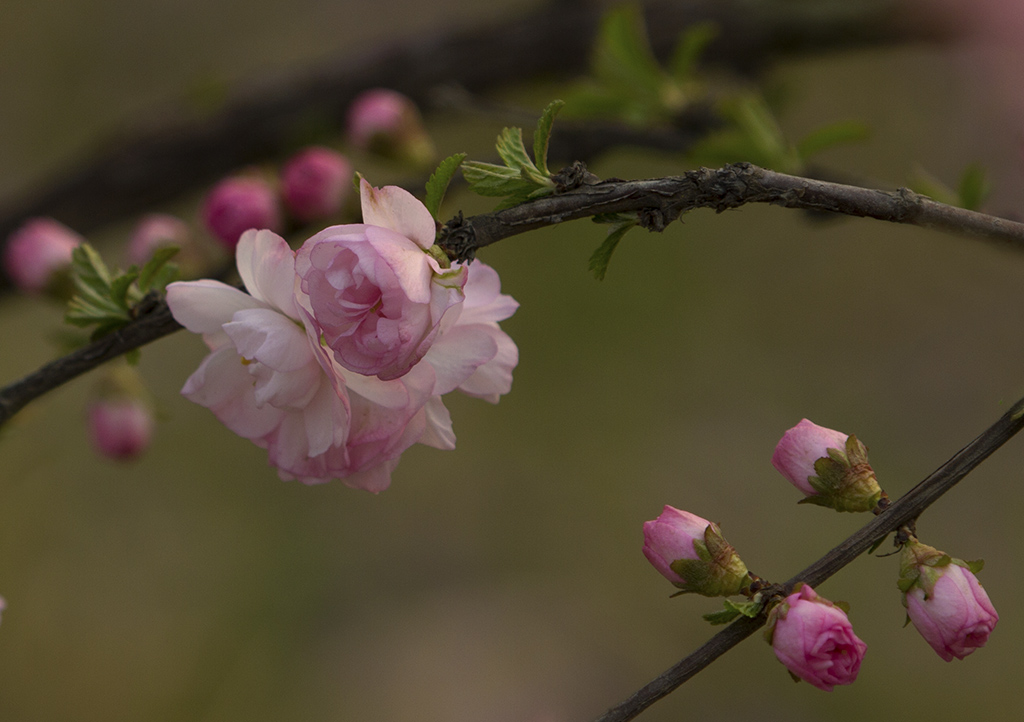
<point x="398" y="209"/>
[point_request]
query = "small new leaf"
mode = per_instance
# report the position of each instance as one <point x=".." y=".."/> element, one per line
<point x="439" y="180"/>
<point x="154" y="272"/>
<point x="688" y="50"/>
<point x="733" y="610"/>
<point x="542" y="136"/>
<point x="603" y="255"/>
<point x="829" y="136"/>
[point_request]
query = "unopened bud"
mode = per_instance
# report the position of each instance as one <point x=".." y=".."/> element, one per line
<point x="315" y="183"/>
<point x="38" y="252"/>
<point x="829" y="467"/>
<point x="237" y="204"/>
<point x="387" y="122"/>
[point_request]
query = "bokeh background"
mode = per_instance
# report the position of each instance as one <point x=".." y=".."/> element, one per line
<point x="503" y="581"/>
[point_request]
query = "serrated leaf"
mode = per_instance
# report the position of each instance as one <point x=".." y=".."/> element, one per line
<point x="599" y="260"/>
<point x="488" y="179"/>
<point x="168" y="273"/>
<point x="623" y="57"/>
<point x="89" y="269"/>
<point x="692" y="44"/>
<point x="512" y="151"/>
<point x="439" y="180"/>
<point x="152" y="270"/>
<point x="542" y="136"/>
<point x="974" y="187"/>
<point x="514" y="200"/>
<point x="829" y="136"/>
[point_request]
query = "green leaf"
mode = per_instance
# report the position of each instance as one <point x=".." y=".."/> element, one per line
<point x="926" y="184"/>
<point x="599" y="260"/>
<point x="974" y="187"/>
<point x="488" y="179"/>
<point x="623" y="57"/>
<point x="723" y="617"/>
<point x="850" y="131"/>
<point x="876" y="545"/>
<point x="692" y="44"/>
<point x="512" y="151"/>
<point x="439" y="180"/>
<point x="542" y="136"/>
<point x="151" y="272"/>
<point x="119" y="288"/>
<point x="90" y="272"/>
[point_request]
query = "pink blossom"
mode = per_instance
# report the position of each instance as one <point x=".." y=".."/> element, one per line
<point x="120" y="428"/>
<point x="670" y="537"/>
<point x="37" y="250"/>
<point x="956" y="616"/>
<point x="374" y="293"/>
<point x="315" y="183"/>
<point x="387" y="122"/>
<point x="815" y="640"/>
<point x="237" y="204"/>
<point x="800" y="447"/>
<point x="153" y="232"/>
<point x="269" y="378"/>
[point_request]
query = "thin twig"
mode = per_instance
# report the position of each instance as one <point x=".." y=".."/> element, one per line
<point x="660" y="201"/>
<point x="905" y="509"/>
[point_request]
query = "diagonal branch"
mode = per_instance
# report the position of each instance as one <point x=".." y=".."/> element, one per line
<point x="902" y="511"/>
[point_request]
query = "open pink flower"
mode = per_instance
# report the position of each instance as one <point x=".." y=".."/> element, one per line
<point x="271" y="379"/>
<point x="374" y="292"/>
<point x="815" y="640"/>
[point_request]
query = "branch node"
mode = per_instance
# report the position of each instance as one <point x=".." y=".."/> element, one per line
<point x="574" y="176"/>
<point x="458" y="239"/>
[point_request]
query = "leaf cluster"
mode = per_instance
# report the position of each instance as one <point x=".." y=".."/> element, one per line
<point x="109" y="299"/>
<point x="520" y="178"/>
<point x="628" y="82"/>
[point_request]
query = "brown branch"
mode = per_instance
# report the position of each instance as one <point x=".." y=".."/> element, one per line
<point x="175" y="154"/>
<point x="660" y="201"/>
<point x="657" y="202"/>
<point x="156" y="323"/>
<point x="905" y="509"/>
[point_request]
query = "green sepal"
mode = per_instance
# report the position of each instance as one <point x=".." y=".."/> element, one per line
<point x="600" y="258"/>
<point x="829" y="136"/>
<point x="974" y="566"/>
<point x="437" y="184"/>
<point x="542" y="136"/>
<point x="845" y="606"/>
<point x="723" y="617"/>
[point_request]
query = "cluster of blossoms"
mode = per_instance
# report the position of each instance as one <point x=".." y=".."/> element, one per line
<point x="337" y="358"/>
<point x="810" y="635"/>
<point x="316" y="183"/>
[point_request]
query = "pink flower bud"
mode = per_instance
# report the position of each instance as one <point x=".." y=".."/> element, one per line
<point x="153" y="232"/>
<point x="120" y="428"/>
<point x="237" y="204"/>
<point x="315" y="183"/>
<point x="692" y="554"/>
<point x="800" y="447"/>
<point x="945" y="602"/>
<point x="815" y="640"/>
<point x="3" y="605"/>
<point x="38" y="250"/>
<point x="829" y="467"/>
<point x="387" y="122"/>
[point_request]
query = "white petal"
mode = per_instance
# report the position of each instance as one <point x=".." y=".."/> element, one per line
<point x="458" y="353"/>
<point x="267" y="267"/>
<point x="439" y="433"/>
<point x="396" y="208"/>
<point x="271" y="338"/>
<point x="204" y="306"/>
<point x="494" y="378"/>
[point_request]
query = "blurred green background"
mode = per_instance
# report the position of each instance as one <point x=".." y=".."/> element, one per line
<point x="503" y="581"/>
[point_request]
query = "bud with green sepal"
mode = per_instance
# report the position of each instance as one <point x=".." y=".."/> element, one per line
<point x="692" y="554"/>
<point x="829" y="467"/>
